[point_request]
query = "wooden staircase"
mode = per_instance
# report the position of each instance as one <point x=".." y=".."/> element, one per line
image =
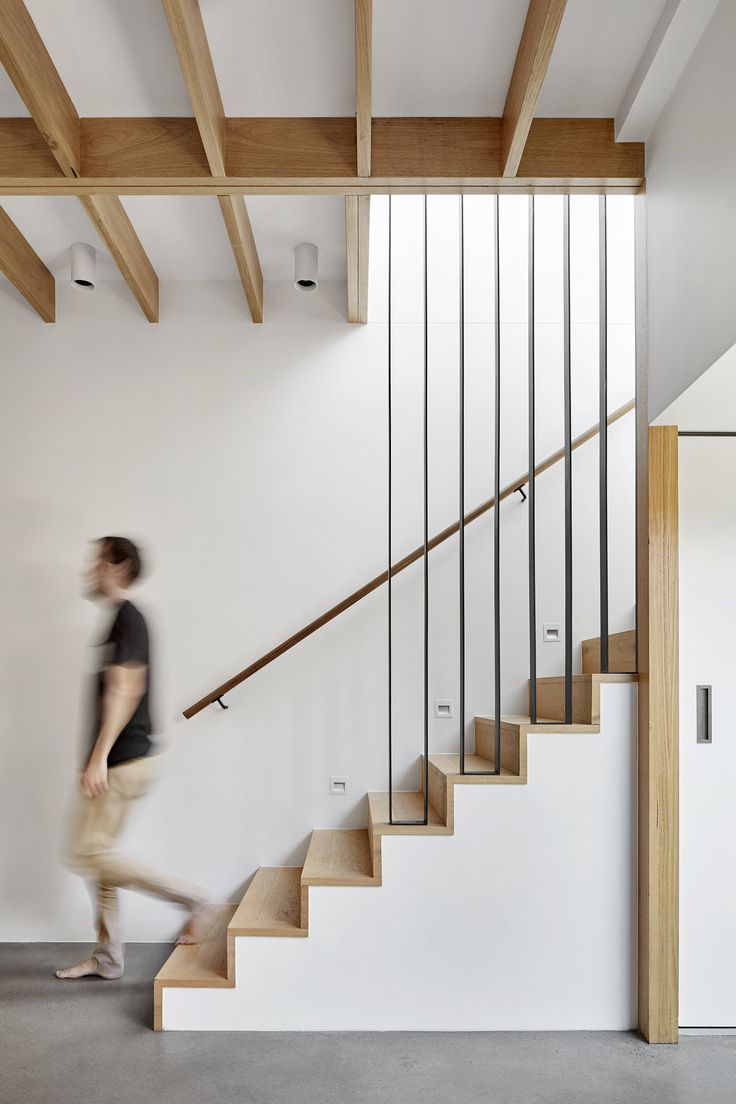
<point x="276" y="902"/>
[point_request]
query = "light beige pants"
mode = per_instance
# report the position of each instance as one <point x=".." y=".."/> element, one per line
<point x="98" y="821"/>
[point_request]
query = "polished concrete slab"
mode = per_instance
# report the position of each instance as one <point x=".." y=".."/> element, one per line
<point x="91" y="1041"/>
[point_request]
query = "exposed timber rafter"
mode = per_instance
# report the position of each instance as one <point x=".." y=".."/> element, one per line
<point x="25" y="269"/>
<point x="532" y="60"/>
<point x="39" y="85"/>
<point x="363" y="83"/>
<point x="358" y="207"/>
<point x="110" y="220"/>
<point x="187" y="31"/>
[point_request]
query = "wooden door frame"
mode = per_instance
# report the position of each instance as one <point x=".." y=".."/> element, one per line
<point x="657" y="625"/>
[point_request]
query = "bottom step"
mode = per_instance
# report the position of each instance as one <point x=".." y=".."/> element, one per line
<point x="197" y="965"/>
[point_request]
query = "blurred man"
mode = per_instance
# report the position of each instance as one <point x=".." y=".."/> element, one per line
<point x="119" y="767"/>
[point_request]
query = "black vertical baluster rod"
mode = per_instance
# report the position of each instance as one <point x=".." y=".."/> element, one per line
<point x="568" y="458"/>
<point x="425" y="817"/>
<point x="531" y="505"/>
<point x="603" y="423"/>
<point x="461" y="531"/>
<point x="426" y="528"/>
<point x="390" y="725"/>
<point x="497" y="494"/>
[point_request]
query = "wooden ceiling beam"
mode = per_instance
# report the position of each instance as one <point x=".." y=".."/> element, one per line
<point x="358" y="207"/>
<point x="357" y="227"/>
<point x="243" y="244"/>
<point x="532" y="60"/>
<point x="39" y="85"/>
<point x="110" y="220"/>
<point x="42" y="90"/>
<point x="190" y="40"/>
<point x="25" y="269"/>
<point x="363" y="82"/>
<point x="109" y="217"/>
<point x="270" y="156"/>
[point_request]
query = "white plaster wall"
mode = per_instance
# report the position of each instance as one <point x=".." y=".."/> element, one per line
<point x="707" y="531"/>
<point x="251" y="461"/>
<point x="691" y="217"/>
<point x="525" y="919"/>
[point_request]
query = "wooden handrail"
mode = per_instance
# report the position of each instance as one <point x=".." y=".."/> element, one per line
<point x="401" y="565"/>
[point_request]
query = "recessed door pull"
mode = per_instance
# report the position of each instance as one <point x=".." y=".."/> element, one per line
<point x="704" y="714"/>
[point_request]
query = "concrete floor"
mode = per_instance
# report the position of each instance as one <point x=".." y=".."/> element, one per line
<point x="91" y="1041"/>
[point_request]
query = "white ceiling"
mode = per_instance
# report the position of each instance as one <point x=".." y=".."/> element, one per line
<point x="598" y="48"/>
<point x="284" y="57"/>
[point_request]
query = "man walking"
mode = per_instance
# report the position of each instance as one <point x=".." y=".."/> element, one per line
<point x="120" y="767"/>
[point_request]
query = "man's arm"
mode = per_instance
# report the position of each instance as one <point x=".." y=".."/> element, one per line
<point x="125" y="685"/>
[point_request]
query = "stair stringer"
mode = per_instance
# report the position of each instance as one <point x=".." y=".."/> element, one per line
<point x="544" y="940"/>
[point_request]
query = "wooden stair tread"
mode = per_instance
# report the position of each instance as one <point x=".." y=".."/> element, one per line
<point x="590" y="677"/>
<point x="201" y="964"/>
<point x="271" y="905"/>
<point x="542" y="724"/>
<point x="449" y="764"/>
<point x="586" y="696"/>
<point x="408" y="805"/>
<point x="339" y="857"/>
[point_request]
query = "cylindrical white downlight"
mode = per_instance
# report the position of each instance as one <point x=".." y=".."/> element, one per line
<point x="83" y="264"/>
<point x="305" y="267"/>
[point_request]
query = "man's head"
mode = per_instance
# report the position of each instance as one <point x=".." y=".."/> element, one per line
<point x="115" y="564"/>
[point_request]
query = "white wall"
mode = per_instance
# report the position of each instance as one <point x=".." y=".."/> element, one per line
<point x="691" y="217"/>
<point x="707" y="512"/>
<point x="251" y="462"/>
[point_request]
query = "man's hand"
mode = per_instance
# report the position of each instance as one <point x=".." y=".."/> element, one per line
<point x="94" y="777"/>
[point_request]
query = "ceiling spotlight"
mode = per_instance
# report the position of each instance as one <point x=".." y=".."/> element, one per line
<point x="305" y="267"/>
<point x="83" y="263"/>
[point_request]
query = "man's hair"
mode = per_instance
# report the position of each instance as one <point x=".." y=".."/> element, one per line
<point x="118" y="550"/>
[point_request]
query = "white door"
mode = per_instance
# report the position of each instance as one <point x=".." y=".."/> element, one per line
<point x="708" y="771"/>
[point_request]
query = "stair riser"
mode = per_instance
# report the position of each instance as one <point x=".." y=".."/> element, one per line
<point x="375" y="842"/>
<point x="304" y="917"/>
<point x="513" y="745"/>
<point x="585" y="701"/>
<point x="621" y="654"/>
<point x="438" y="794"/>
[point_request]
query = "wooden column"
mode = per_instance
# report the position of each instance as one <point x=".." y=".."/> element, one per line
<point x="658" y="926"/>
<point x="357" y="234"/>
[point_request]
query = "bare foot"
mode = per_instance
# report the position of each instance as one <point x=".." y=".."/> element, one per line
<point x="88" y="968"/>
<point x="199" y="922"/>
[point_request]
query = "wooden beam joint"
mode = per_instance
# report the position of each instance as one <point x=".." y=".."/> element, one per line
<point x="190" y="39"/>
<point x="532" y="60"/>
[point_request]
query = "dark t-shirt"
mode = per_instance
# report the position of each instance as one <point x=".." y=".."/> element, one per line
<point x="126" y="643"/>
